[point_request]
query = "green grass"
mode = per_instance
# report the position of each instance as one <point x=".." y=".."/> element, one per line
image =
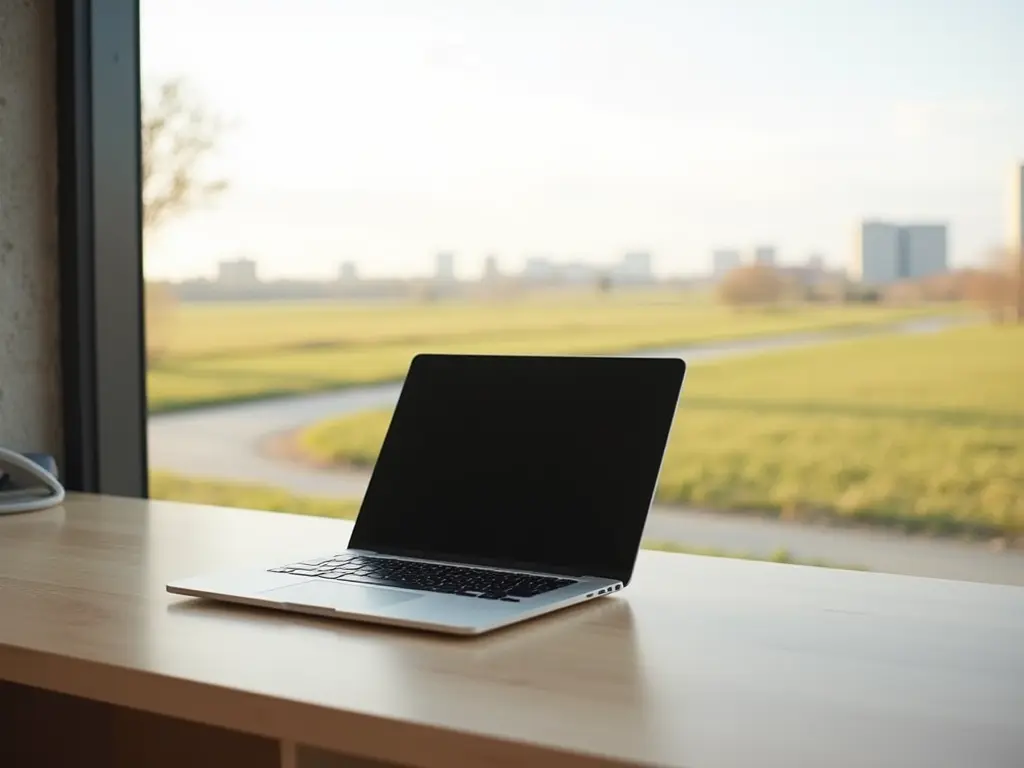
<point x="921" y="433"/>
<point x="172" y="487"/>
<point x="223" y="493"/>
<point x="221" y="353"/>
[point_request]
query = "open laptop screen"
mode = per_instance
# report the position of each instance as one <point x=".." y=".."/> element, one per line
<point x="540" y="463"/>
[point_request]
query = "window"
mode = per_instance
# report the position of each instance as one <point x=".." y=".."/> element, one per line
<point x="806" y="203"/>
<point x="102" y="355"/>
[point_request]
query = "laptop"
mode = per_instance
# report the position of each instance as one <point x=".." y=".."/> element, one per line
<point x="507" y="487"/>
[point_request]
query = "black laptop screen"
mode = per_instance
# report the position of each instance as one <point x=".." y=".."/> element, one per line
<point x="534" y="462"/>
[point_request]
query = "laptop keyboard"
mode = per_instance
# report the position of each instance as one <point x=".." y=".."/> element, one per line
<point x="427" y="577"/>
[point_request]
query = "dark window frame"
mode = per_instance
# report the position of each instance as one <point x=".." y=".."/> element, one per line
<point x="103" y="361"/>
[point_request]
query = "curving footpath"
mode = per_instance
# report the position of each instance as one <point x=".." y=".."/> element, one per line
<point x="227" y="442"/>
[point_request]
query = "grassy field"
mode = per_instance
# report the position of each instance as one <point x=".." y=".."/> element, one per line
<point x="211" y="353"/>
<point x="222" y="493"/>
<point x="171" y="487"/>
<point x="923" y="433"/>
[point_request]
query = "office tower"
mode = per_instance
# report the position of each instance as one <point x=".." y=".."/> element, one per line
<point x="923" y="250"/>
<point x="887" y="252"/>
<point x="763" y="255"/>
<point x="237" y="273"/>
<point x="491" y="269"/>
<point x="444" y="270"/>
<point x="348" y="272"/>
<point x="724" y="261"/>
<point x="1016" y="211"/>
<point x="635" y="267"/>
<point x="539" y="269"/>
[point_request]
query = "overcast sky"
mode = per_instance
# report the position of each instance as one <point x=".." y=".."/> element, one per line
<point x="382" y="131"/>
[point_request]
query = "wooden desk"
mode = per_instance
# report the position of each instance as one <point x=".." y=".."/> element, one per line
<point x="701" y="662"/>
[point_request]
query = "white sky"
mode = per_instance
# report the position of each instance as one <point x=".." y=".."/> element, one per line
<point x="385" y="130"/>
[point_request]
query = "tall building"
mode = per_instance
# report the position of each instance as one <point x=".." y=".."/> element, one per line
<point x="888" y="252"/>
<point x="635" y="267"/>
<point x="724" y="261"/>
<point x="539" y="269"/>
<point x="576" y="273"/>
<point x="348" y="272"/>
<point x="237" y="273"/>
<point x="809" y="274"/>
<point x="491" y="269"/>
<point x="876" y="256"/>
<point x="923" y="250"/>
<point x="444" y="267"/>
<point x="1016" y="256"/>
<point x="763" y="255"/>
<point x="1016" y="217"/>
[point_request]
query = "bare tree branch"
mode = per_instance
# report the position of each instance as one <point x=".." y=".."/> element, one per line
<point x="178" y="135"/>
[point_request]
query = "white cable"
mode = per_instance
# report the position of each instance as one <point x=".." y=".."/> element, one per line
<point x="29" y="499"/>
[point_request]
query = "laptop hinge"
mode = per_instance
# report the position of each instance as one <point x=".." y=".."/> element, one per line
<point x="475" y="565"/>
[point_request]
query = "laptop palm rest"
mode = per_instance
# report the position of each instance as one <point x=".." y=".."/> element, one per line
<point x="339" y="597"/>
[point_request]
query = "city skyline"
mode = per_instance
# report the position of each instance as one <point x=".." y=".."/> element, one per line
<point x="381" y="134"/>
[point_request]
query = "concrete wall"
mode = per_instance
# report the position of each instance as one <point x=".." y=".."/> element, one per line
<point x="30" y="394"/>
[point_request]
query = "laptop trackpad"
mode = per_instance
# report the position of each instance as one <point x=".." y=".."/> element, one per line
<point x="340" y="597"/>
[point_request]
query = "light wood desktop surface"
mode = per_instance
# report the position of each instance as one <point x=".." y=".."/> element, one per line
<point x="701" y="662"/>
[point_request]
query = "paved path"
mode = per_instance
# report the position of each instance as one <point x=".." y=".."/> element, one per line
<point x="872" y="549"/>
<point x="225" y="442"/>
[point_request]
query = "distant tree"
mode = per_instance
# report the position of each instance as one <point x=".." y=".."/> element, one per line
<point x="1000" y="288"/>
<point x="958" y="285"/>
<point x="604" y="283"/>
<point x="178" y="135"/>
<point x="1015" y="274"/>
<point x="752" y="285"/>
